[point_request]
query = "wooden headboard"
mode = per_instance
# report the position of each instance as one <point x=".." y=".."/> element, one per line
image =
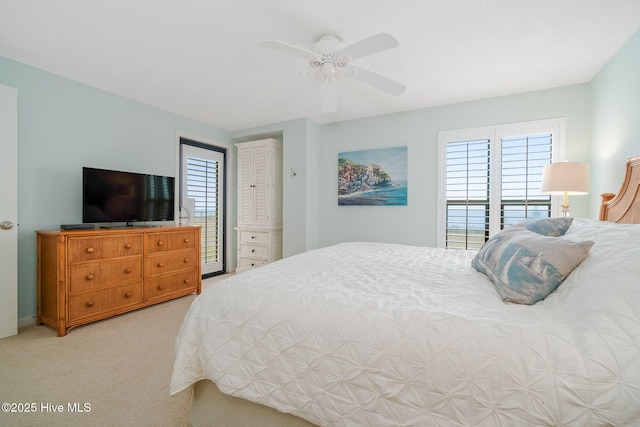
<point x="624" y="207"/>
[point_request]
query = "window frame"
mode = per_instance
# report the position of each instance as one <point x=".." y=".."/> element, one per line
<point x="494" y="134"/>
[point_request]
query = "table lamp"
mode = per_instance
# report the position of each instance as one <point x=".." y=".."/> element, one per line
<point x="565" y="179"/>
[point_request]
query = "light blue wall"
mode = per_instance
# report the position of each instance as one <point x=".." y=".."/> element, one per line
<point x="616" y="120"/>
<point x="64" y="125"/>
<point x="416" y="223"/>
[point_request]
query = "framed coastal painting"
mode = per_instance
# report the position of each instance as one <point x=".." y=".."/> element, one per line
<point x="376" y="177"/>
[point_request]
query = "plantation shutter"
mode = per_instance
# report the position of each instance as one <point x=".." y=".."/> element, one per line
<point x="523" y="159"/>
<point x="467" y="188"/>
<point x="489" y="184"/>
<point x="202" y="185"/>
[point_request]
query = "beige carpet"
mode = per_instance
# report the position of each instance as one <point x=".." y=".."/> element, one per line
<point x="117" y="371"/>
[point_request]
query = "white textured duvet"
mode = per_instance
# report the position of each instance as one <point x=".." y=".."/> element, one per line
<point x="369" y="334"/>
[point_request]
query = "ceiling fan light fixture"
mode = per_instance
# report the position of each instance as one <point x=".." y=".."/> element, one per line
<point x="328" y="56"/>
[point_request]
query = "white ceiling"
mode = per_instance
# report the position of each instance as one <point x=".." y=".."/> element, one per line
<point x="201" y="58"/>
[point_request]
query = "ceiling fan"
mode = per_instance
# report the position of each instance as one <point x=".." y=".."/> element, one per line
<point x="329" y="58"/>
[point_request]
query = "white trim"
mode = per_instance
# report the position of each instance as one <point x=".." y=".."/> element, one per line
<point x="495" y="134"/>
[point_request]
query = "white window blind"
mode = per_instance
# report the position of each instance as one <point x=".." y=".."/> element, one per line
<point x="490" y="182"/>
<point x="467" y="188"/>
<point x="202" y="186"/>
<point x="523" y="159"/>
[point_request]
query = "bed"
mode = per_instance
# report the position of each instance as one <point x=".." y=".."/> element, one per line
<point x="363" y="334"/>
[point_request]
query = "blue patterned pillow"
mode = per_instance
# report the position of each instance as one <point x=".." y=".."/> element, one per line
<point x="525" y="266"/>
<point x="548" y="226"/>
<point x="554" y="227"/>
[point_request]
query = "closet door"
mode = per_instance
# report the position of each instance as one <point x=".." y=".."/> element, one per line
<point x="261" y="185"/>
<point x="246" y="188"/>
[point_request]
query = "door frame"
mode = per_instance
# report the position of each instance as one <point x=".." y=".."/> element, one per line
<point x="229" y="209"/>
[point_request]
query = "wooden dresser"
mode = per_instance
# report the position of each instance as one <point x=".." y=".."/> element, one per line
<point x="89" y="275"/>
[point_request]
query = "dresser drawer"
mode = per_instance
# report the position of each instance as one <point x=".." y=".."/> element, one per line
<point x="163" y="286"/>
<point x="254" y="237"/>
<point x="171" y="241"/>
<point x="249" y="263"/>
<point x="96" y="248"/>
<point x="254" y="251"/>
<point x="92" y="275"/>
<point x="170" y="262"/>
<point x="93" y="303"/>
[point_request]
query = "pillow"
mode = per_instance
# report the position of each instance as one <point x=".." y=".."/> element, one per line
<point x="548" y="226"/>
<point x="545" y="226"/>
<point x="525" y="267"/>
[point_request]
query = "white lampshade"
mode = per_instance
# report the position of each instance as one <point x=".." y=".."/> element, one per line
<point x="570" y="178"/>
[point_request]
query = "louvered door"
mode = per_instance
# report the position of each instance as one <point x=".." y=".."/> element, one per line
<point x="246" y="192"/>
<point x="260" y="186"/>
<point x="256" y="184"/>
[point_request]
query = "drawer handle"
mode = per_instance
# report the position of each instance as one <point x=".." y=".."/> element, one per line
<point x="253" y="250"/>
<point x="253" y="237"/>
<point x="160" y="243"/>
<point x="160" y="288"/>
<point x="90" y="277"/>
<point x="186" y="260"/>
<point x="90" y="304"/>
<point x="252" y="264"/>
<point x="127" y="270"/>
<point x="90" y="250"/>
<point x="127" y="295"/>
<point x="186" y="240"/>
<point x="186" y="281"/>
<point x="159" y="265"/>
<point x="127" y="246"/>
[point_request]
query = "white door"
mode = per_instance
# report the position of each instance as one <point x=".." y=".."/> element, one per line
<point x="8" y="211"/>
<point x="202" y="200"/>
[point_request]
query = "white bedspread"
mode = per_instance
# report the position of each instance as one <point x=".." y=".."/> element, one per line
<point x="389" y="335"/>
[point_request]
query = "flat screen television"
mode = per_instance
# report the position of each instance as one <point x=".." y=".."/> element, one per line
<point x="115" y="196"/>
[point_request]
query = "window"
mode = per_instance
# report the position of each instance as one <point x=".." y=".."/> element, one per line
<point x="491" y="177"/>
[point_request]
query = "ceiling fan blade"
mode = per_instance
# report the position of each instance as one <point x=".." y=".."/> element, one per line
<point x="377" y="43"/>
<point x="376" y="80"/>
<point x="289" y="48"/>
<point x="329" y="94"/>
